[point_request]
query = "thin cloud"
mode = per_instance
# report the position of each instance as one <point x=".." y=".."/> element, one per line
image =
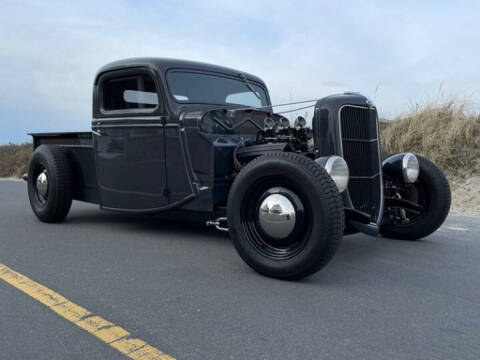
<point x="49" y="52"/>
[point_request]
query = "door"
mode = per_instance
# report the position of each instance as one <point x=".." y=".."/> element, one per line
<point x="129" y="139"/>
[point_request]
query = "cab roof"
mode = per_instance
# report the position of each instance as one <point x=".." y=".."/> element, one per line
<point x="161" y="65"/>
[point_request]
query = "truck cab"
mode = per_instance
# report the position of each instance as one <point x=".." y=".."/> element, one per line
<point x="139" y="155"/>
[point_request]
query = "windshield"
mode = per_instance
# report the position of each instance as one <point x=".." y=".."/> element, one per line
<point x="190" y="87"/>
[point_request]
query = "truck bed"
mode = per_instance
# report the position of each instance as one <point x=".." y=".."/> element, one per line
<point x="79" y="147"/>
<point x="62" y="138"/>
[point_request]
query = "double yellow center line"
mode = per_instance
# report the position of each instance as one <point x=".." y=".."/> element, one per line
<point x="115" y="336"/>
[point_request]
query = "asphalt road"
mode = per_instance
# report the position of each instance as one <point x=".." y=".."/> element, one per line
<point x="183" y="289"/>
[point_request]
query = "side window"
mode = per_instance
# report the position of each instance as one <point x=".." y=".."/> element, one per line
<point x="129" y="92"/>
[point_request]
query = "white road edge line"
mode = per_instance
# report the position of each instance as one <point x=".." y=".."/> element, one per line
<point x="455" y="228"/>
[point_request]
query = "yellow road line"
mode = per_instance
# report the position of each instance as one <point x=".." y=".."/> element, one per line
<point x="109" y="333"/>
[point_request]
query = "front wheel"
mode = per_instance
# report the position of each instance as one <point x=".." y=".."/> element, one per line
<point x="431" y="191"/>
<point x="285" y="215"/>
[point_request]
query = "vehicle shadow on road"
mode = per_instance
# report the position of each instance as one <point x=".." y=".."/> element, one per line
<point x="355" y="255"/>
<point x="181" y="224"/>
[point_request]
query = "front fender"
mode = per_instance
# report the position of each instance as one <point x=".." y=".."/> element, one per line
<point x="392" y="166"/>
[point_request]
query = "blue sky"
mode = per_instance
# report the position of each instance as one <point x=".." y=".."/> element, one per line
<point x="398" y="53"/>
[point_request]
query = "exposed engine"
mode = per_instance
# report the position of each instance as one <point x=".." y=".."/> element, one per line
<point x="278" y="129"/>
<point x="259" y="132"/>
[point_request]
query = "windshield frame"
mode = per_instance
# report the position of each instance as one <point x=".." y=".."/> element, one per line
<point x="220" y="75"/>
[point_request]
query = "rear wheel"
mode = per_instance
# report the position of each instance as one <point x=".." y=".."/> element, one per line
<point x="285" y="215"/>
<point x="50" y="183"/>
<point x="431" y="191"/>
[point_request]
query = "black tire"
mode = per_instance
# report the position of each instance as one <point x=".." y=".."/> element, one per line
<point x="54" y="207"/>
<point x="314" y="240"/>
<point x="432" y="191"/>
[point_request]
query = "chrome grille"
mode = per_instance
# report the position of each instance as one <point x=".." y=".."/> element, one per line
<point x="360" y="146"/>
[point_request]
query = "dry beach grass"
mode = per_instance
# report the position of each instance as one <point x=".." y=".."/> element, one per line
<point x="445" y="131"/>
<point x="14" y="159"/>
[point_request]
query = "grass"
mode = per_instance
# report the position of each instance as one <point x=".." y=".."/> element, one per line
<point x="14" y="159"/>
<point x="446" y="133"/>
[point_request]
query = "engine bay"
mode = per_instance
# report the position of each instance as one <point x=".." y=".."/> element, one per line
<point x="259" y="128"/>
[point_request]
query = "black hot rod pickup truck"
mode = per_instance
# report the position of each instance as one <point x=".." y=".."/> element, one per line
<point x="181" y="136"/>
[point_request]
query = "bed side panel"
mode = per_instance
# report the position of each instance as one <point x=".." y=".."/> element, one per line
<point x="80" y="152"/>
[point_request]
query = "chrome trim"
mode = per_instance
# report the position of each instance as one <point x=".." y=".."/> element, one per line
<point x="276" y="216"/>
<point x="41" y="184"/>
<point x="330" y="161"/>
<point x="299" y="122"/>
<point x="405" y="160"/>
<point x="285" y="123"/>
<point x="329" y="167"/>
<point x="268" y="123"/>
<point x="218" y="223"/>
<point x="380" y="170"/>
<point x="341" y="146"/>
<point x="382" y="200"/>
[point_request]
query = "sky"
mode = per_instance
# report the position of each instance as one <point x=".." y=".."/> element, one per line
<point x="398" y="53"/>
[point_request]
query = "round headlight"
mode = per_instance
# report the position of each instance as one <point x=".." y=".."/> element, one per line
<point x="410" y="168"/>
<point x="337" y="168"/>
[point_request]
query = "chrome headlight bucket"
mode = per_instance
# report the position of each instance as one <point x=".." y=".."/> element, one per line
<point x="402" y="166"/>
<point x="410" y="168"/>
<point x="337" y="168"/>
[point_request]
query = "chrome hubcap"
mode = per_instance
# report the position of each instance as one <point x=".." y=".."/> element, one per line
<point x="277" y="216"/>
<point x="42" y="184"/>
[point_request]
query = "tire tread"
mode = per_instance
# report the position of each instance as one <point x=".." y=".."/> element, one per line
<point x="61" y="183"/>
<point x="428" y="224"/>
<point x="333" y="199"/>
